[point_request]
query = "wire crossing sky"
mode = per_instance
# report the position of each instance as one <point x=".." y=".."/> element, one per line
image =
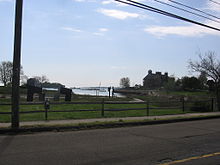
<point x="195" y="9"/>
<point x="199" y="15"/>
<point x="216" y="2"/>
<point x="146" y="7"/>
<point x="88" y="42"/>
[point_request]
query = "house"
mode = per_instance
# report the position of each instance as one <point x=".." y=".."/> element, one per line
<point x="155" y="80"/>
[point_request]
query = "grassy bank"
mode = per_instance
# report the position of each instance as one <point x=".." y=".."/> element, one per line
<point x="162" y="100"/>
<point x="96" y="111"/>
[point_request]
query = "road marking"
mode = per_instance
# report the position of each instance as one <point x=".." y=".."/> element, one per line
<point x="191" y="158"/>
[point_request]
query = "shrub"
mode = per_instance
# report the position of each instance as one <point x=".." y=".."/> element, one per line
<point x="201" y="106"/>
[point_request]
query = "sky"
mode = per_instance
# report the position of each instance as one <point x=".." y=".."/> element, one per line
<point x="88" y="42"/>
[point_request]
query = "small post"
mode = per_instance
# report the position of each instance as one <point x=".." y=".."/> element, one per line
<point x="183" y="104"/>
<point x="46" y="107"/>
<point x="103" y="108"/>
<point x="147" y="105"/>
<point x="212" y="104"/>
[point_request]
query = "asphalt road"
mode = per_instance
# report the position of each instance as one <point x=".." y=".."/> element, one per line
<point x="195" y="142"/>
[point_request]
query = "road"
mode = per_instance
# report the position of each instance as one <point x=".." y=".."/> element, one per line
<point x="195" y="142"/>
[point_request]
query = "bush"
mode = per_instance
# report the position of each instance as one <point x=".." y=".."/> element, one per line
<point x="201" y="106"/>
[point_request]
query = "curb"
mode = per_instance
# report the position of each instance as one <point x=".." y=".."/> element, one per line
<point x="88" y="126"/>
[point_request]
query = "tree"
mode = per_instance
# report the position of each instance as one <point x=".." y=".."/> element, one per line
<point x="203" y="80"/>
<point x="24" y="79"/>
<point x="6" y="68"/>
<point x="211" y="85"/>
<point x="190" y="83"/>
<point x="209" y="64"/>
<point x="125" y="82"/>
<point x="42" y="79"/>
<point x="170" y="84"/>
<point x="6" y="72"/>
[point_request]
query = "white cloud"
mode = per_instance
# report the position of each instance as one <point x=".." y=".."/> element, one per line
<point x="118" y="14"/>
<point x="103" y="29"/>
<point x="101" y="32"/>
<point x="71" y="29"/>
<point x="190" y="30"/>
<point x="187" y="31"/>
<point x="107" y="2"/>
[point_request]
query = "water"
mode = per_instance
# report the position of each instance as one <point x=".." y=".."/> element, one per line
<point x="93" y="91"/>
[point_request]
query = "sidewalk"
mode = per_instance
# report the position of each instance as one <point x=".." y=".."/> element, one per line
<point x="60" y="123"/>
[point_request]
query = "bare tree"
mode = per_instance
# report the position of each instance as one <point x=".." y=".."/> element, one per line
<point x="125" y="82"/>
<point x="6" y="68"/>
<point x="24" y="79"/>
<point x="6" y="72"/>
<point x="210" y="65"/>
<point x="42" y="79"/>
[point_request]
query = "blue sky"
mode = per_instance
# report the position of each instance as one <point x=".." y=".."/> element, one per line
<point x="85" y="42"/>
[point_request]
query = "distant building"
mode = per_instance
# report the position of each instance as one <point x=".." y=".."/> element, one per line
<point x="157" y="80"/>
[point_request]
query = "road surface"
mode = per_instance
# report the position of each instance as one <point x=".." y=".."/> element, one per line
<point x="195" y="142"/>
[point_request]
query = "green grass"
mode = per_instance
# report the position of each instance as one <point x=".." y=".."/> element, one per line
<point x="156" y="102"/>
<point x="7" y="90"/>
<point x="83" y="115"/>
<point x="190" y="93"/>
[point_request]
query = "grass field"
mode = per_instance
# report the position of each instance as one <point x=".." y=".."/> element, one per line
<point x="96" y="109"/>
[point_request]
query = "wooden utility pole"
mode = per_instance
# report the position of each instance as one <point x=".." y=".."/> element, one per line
<point x="16" y="65"/>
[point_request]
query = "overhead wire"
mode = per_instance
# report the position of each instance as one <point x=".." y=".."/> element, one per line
<point x="159" y="11"/>
<point x="195" y="9"/>
<point x="199" y="15"/>
<point x="215" y="2"/>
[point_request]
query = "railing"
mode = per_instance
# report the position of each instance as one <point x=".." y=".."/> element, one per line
<point x="146" y="106"/>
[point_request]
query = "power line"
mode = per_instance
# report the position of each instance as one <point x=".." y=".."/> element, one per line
<point x="199" y="15"/>
<point x="195" y="9"/>
<point x="153" y="9"/>
<point x="215" y="2"/>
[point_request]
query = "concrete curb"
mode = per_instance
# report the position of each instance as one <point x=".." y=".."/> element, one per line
<point x="87" y="126"/>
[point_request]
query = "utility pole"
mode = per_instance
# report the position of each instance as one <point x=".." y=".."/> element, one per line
<point x="16" y="65"/>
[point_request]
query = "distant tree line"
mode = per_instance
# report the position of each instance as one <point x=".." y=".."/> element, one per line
<point x="44" y="81"/>
<point x="6" y="73"/>
<point x="182" y="84"/>
<point x="208" y="66"/>
<point x="187" y="83"/>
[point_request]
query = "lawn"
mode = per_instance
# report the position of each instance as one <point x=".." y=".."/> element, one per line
<point x="92" y="110"/>
<point x="157" y="106"/>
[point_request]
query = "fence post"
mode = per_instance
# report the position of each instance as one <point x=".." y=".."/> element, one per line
<point x="103" y="108"/>
<point x="147" y="105"/>
<point x="212" y="104"/>
<point x="183" y="104"/>
<point x="46" y="107"/>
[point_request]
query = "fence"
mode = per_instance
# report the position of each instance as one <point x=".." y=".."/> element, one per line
<point x="147" y="107"/>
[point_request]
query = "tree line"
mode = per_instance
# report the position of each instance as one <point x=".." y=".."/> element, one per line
<point x="208" y="66"/>
<point x="6" y="73"/>
<point x="181" y="84"/>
